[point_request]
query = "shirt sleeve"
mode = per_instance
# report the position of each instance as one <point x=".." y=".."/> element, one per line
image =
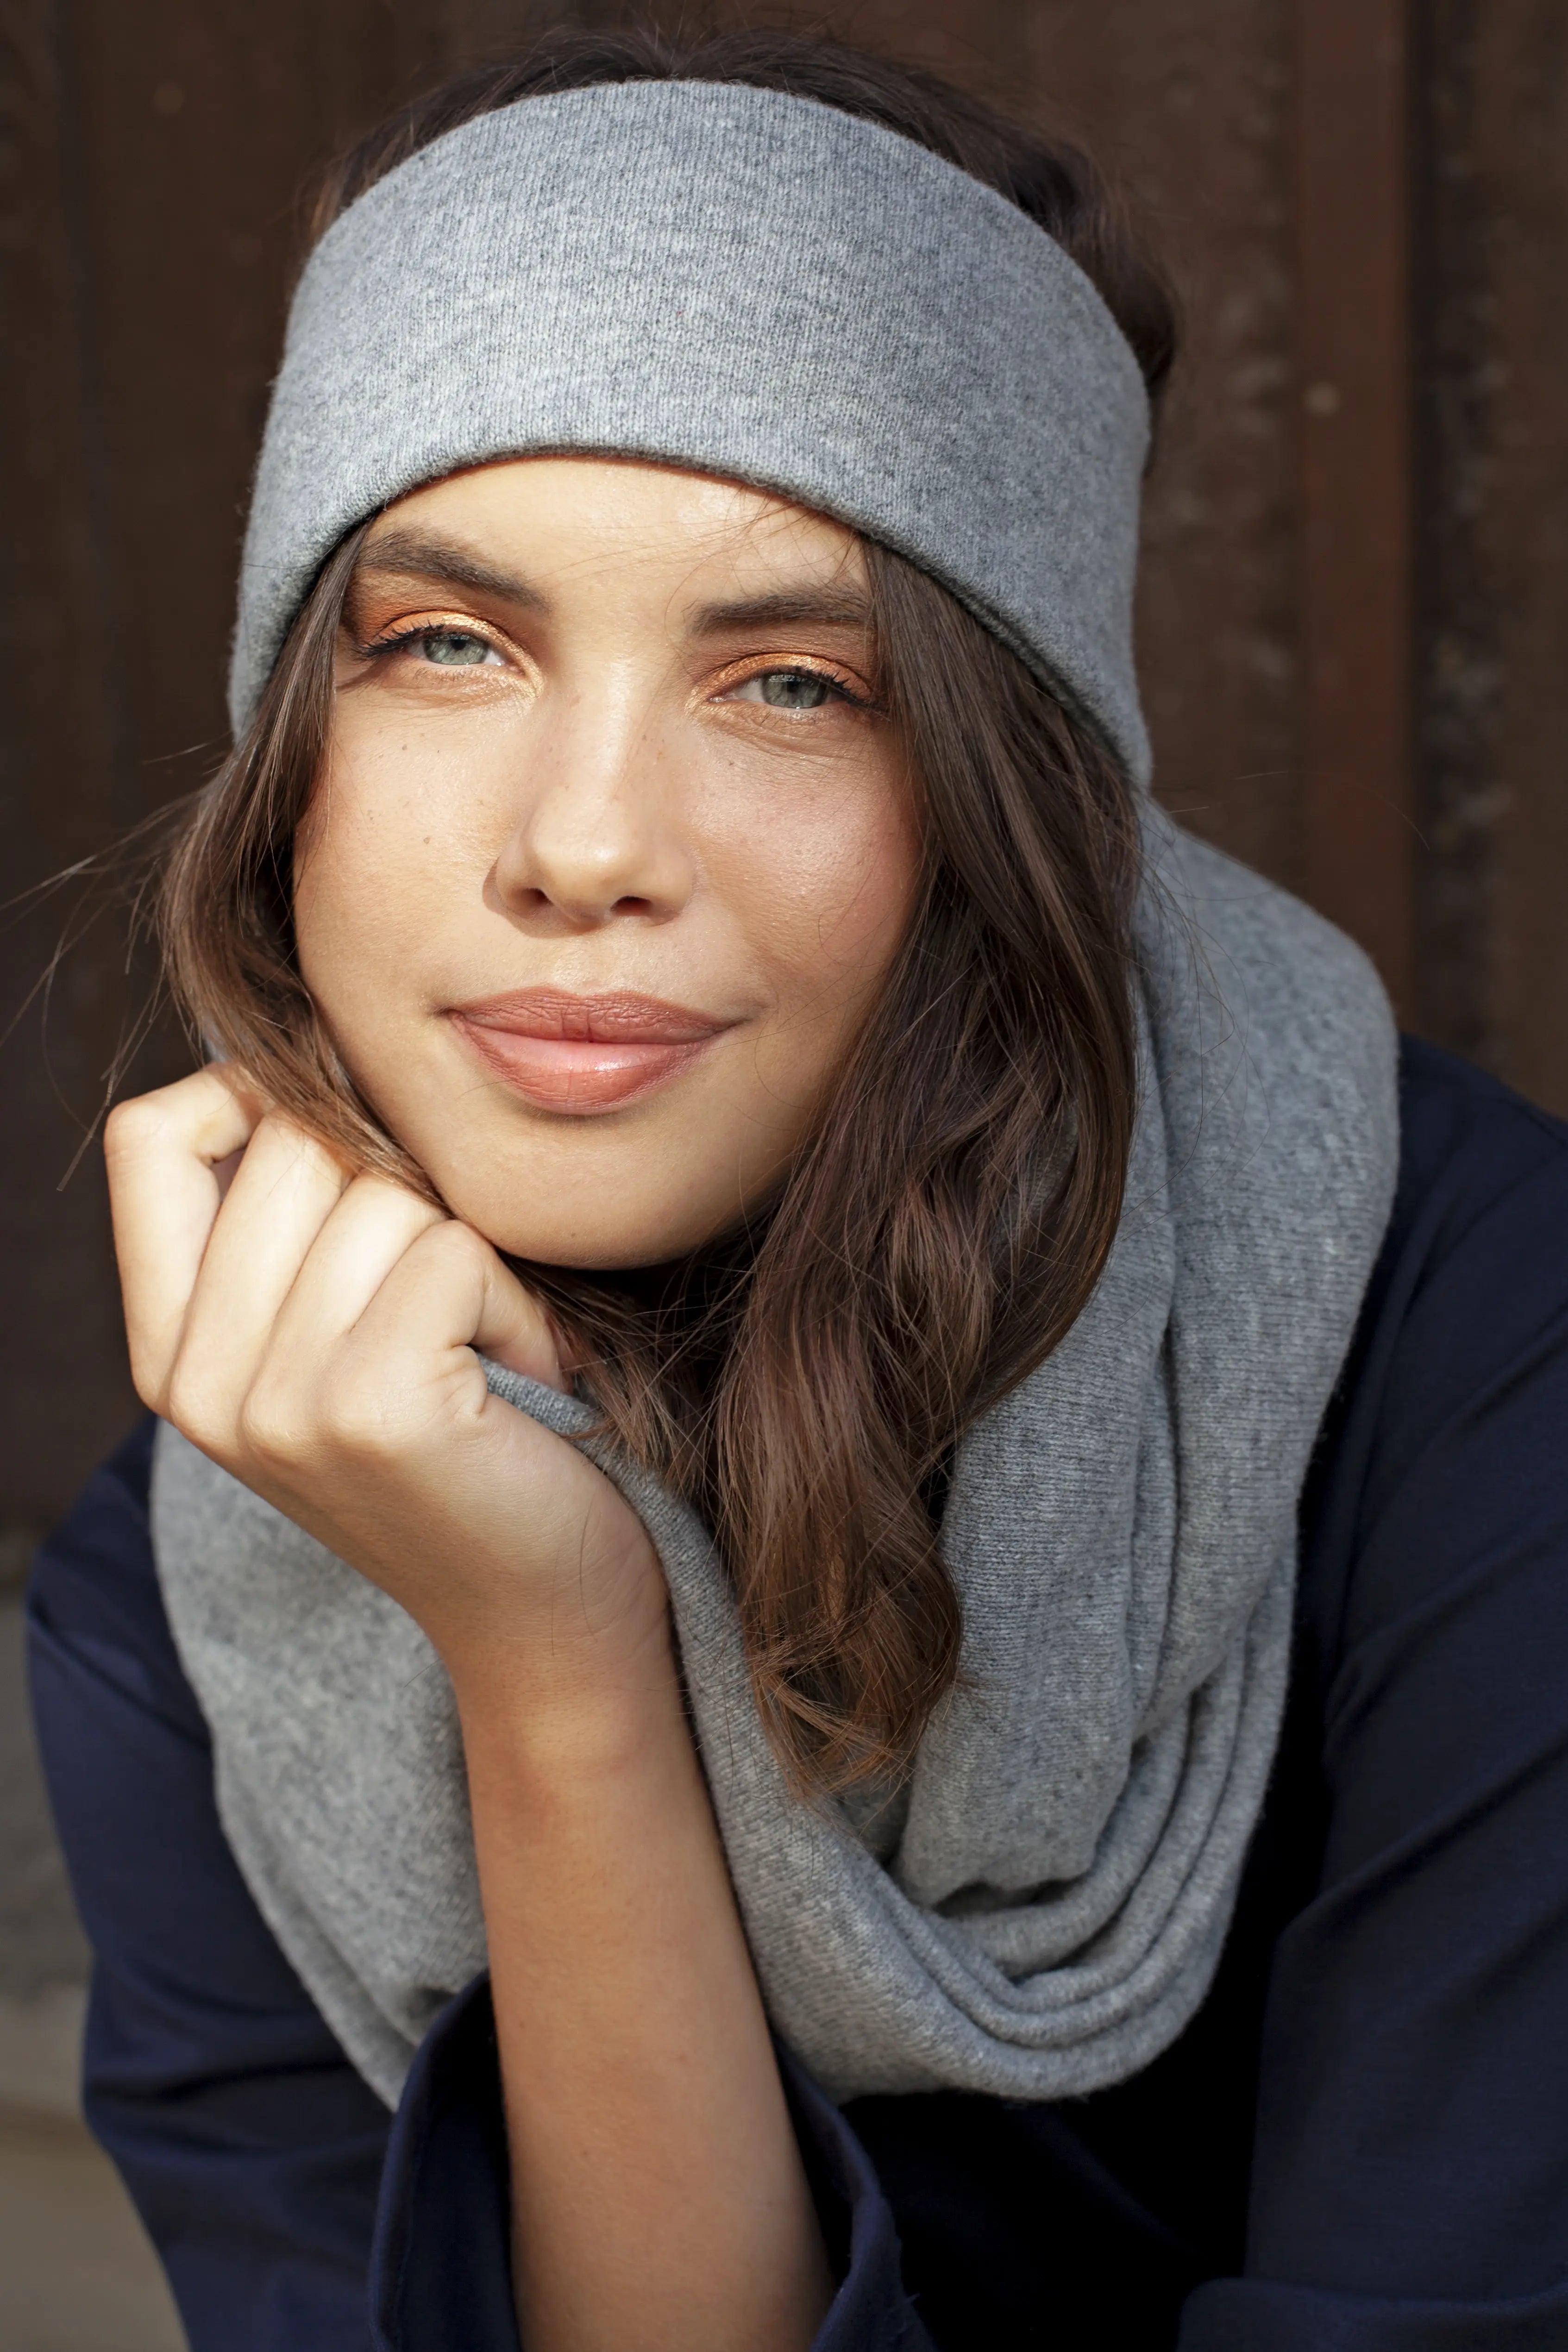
<point x="441" y="2274"/>
<point x="290" y="2211"/>
<point x="1410" y="2173"/>
<point x="251" y="2147"/>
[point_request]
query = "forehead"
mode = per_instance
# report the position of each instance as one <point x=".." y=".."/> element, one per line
<point x="565" y="517"/>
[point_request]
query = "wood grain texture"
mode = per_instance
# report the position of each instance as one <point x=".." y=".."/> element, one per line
<point x="1187" y="105"/>
<point x="1352" y="103"/>
<point x="1492" y="564"/>
<point x="63" y="1370"/>
<point x="151" y="220"/>
<point x="1352" y="615"/>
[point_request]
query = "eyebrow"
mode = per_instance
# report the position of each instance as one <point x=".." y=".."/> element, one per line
<point x="824" y="607"/>
<point x="412" y="555"/>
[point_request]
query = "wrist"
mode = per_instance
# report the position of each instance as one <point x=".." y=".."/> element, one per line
<point x="604" y="1708"/>
<point x="573" y="1642"/>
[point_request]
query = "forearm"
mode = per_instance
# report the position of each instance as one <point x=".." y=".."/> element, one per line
<point x="320" y="1336"/>
<point x="659" y="2202"/>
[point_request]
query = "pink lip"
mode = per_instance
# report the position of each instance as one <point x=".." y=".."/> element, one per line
<point x="583" y="1053"/>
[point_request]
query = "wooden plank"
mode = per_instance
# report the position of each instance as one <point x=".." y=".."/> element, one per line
<point x="148" y="235"/>
<point x="1514" y="484"/>
<point x="1352" y="86"/>
<point x="64" y="1390"/>
<point x="1188" y="105"/>
<point x="147" y="227"/>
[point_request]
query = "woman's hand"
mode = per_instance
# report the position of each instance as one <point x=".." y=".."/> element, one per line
<point x="315" y="1333"/>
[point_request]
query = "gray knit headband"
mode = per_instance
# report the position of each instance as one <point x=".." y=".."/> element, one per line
<point x="744" y="283"/>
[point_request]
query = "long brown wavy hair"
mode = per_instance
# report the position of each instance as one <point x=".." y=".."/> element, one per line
<point x="806" y="1381"/>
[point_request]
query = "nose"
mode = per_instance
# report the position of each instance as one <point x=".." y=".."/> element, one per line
<point x="597" y="835"/>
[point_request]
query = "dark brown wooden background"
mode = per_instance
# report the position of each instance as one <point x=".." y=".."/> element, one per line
<point x="1353" y="623"/>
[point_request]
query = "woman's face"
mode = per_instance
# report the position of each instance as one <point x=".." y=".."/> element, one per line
<point x="611" y="850"/>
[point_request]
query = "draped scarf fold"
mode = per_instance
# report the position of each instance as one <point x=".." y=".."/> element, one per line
<point x="1038" y="1910"/>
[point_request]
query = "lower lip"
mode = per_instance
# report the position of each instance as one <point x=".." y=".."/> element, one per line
<point x="576" y="1077"/>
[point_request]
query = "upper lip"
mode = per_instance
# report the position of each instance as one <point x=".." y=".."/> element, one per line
<point x="620" y="1017"/>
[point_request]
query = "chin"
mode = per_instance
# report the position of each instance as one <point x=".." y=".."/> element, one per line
<point x="614" y="1244"/>
<point x="602" y="1195"/>
<point x="599" y="1254"/>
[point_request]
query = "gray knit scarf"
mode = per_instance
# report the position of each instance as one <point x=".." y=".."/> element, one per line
<point x="767" y="289"/>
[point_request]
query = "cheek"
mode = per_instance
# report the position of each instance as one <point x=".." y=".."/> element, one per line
<point x="827" y="898"/>
<point x="377" y="856"/>
<point x="349" y="883"/>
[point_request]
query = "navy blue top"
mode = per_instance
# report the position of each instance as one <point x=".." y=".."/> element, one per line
<point x="1361" y="2145"/>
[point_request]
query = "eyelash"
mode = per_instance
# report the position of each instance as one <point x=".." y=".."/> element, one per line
<point x="401" y="638"/>
<point x="836" y="685"/>
<point x="417" y="636"/>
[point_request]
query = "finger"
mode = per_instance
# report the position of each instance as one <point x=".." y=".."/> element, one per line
<point x="449" y="1294"/>
<point x="283" y="1193"/>
<point x="162" y="1152"/>
<point x="368" y="1231"/>
<point x="514" y="1330"/>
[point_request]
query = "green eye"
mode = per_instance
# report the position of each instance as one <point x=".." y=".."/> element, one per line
<point x="455" y="648"/>
<point x="795" y="690"/>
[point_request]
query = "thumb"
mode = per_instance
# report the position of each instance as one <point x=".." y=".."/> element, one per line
<point x="514" y="1330"/>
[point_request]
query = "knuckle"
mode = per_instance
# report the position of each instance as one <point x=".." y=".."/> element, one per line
<point x="445" y="1234"/>
<point x="457" y="1247"/>
<point x="275" y="1128"/>
<point x="371" y="1184"/>
<point x="190" y="1401"/>
<point x="343" y="1422"/>
<point x="134" y="1127"/>
<point x="148" y="1380"/>
<point x="356" y="1419"/>
<point x="269" y="1429"/>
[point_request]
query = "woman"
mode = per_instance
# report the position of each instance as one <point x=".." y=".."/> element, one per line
<point x="745" y="1320"/>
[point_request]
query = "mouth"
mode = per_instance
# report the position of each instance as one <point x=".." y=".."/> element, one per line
<point x="578" y="1055"/>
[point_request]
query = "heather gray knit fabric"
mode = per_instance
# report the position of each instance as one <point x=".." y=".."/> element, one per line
<point x="762" y="288"/>
<point x="1039" y="1912"/>
<point x="741" y="282"/>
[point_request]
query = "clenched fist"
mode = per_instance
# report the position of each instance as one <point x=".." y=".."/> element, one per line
<point x="316" y="1333"/>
